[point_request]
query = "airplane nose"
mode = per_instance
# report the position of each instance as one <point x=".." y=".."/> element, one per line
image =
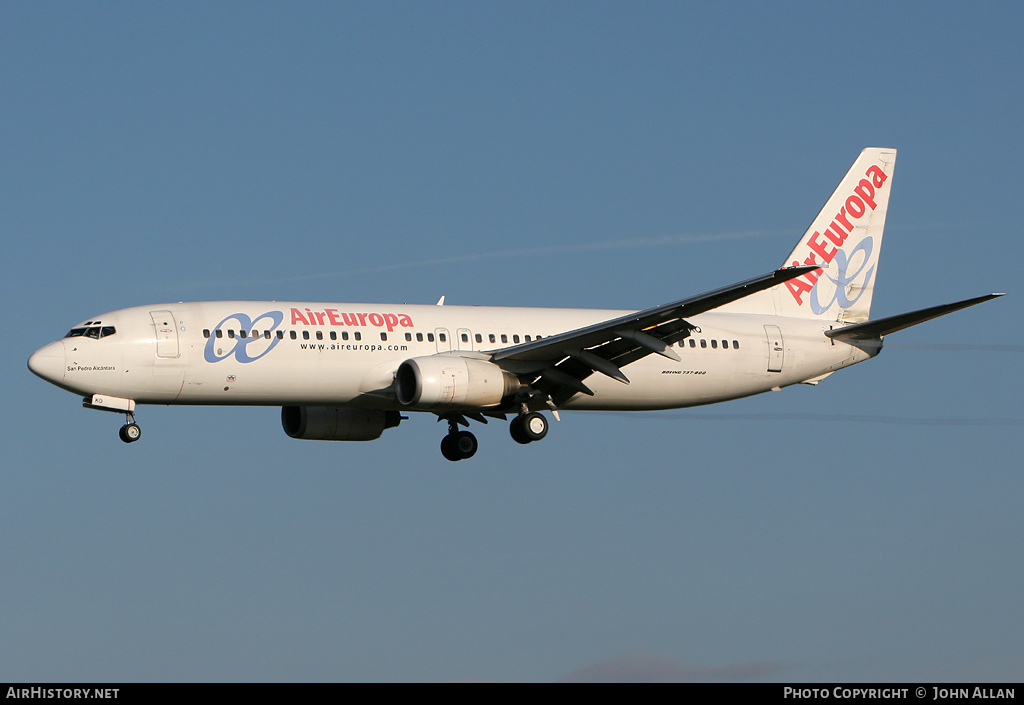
<point x="48" y="362"/>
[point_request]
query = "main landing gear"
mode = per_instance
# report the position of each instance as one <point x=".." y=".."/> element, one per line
<point x="459" y="445"/>
<point x="130" y="432"/>
<point x="527" y="428"/>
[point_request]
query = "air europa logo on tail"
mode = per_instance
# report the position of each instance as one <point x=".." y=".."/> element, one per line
<point x="824" y="248"/>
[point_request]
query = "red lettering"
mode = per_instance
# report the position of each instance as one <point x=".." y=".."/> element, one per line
<point x="855" y="207"/>
<point x="362" y="318"/>
<point x="405" y="321"/>
<point x="376" y="319"/>
<point x="819" y="247"/>
<point x="878" y="176"/>
<point x="391" y="320"/>
<point x="844" y="221"/>
<point x="836" y="234"/>
<point x="332" y="316"/>
<point x="797" y="287"/>
<point x="320" y="317"/>
<point x="297" y="317"/>
<point x="812" y="276"/>
<point x="867" y="192"/>
<point x="350" y="319"/>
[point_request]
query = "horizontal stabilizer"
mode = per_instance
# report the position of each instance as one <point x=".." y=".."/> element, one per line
<point x="891" y="324"/>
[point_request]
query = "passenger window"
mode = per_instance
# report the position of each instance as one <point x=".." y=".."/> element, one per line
<point x="735" y="345"/>
<point x="357" y="335"/>
<point x="319" y="335"/>
<point x="491" y="337"/>
<point x="465" y="338"/>
<point x="334" y="335"/>
<point x="292" y="334"/>
<point x="703" y="343"/>
<point x="254" y="333"/>
<point x="442" y="337"/>
<point x="231" y="333"/>
<point x="383" y="336"/>
<point x="419" y="337"/>
<point x="430" y="337"/>
<point x="725" y="344"/>
<point x="220" y="333"/>
<point x="344" y="335"/>
<point x="479" y="338"/>
<point x="280" y="334"/>
<point x="504" y="338"/>
<point x="241" y="334"/>
<point x="515" y="338"/>
<point x="206" y="332"/>
<point x="266" y="334"/>
<point x="693" y="343"/>
<point x="527" y="339"/>
<point x="408" y="337"/>
<point x="714" y="343"/>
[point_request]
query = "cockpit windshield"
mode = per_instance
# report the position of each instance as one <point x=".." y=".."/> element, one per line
<point x="91" y="331"/>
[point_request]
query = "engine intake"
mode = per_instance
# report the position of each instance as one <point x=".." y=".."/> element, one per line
<point x="443" y="380"/>
<point x="334" y="423"/>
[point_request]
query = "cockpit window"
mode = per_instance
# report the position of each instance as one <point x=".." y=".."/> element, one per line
<point x="91" y="331"/>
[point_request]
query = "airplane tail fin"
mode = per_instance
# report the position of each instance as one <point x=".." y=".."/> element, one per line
<point x="845" y="238"/>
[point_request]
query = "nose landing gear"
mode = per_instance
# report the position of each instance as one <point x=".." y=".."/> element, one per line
<point x="130" y="432"/>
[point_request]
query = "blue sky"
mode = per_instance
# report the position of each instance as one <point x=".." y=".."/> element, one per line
<point x="572" y="154"/>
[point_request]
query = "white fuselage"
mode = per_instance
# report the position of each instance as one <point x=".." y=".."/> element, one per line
<point x="318" y="354"/>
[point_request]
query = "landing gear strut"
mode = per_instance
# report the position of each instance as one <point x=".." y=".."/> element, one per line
<point x="527" y="428"/>
<point x="458" y="445"/>
<point x="130" y="432"/>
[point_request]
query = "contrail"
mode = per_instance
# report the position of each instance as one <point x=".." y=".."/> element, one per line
<point x="630" y="243"/>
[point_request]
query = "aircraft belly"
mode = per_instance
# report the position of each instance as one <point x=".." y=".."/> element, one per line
<point x="274" y="382"/>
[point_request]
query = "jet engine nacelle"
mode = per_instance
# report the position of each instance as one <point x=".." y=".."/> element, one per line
<point x="333" y="423"/>
<point x="444" y="380"/>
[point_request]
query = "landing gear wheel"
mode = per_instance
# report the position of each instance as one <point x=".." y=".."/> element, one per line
<point x="528" y="428"/>
<point x="516" y="429"/>
<point x="459" y="445"/>
<point x="130" y="433"/>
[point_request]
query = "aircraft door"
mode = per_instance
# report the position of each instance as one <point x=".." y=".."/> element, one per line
<point x="464" y="339"/>
<point x="776" y="348"/>
<point x="166" y="333"/>
<point x="443" y="339"/>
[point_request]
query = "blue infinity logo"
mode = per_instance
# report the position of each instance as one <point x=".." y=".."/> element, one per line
<point x="241" y="345"/>
<point x="843" y="279"/>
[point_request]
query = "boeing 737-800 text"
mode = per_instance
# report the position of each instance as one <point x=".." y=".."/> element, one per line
<point x="347" y="372"/>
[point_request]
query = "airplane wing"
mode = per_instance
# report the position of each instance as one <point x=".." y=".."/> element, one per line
<point x="558" y="364"/>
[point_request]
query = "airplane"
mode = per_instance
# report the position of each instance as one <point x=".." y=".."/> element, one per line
<point x="349" y="371"/>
